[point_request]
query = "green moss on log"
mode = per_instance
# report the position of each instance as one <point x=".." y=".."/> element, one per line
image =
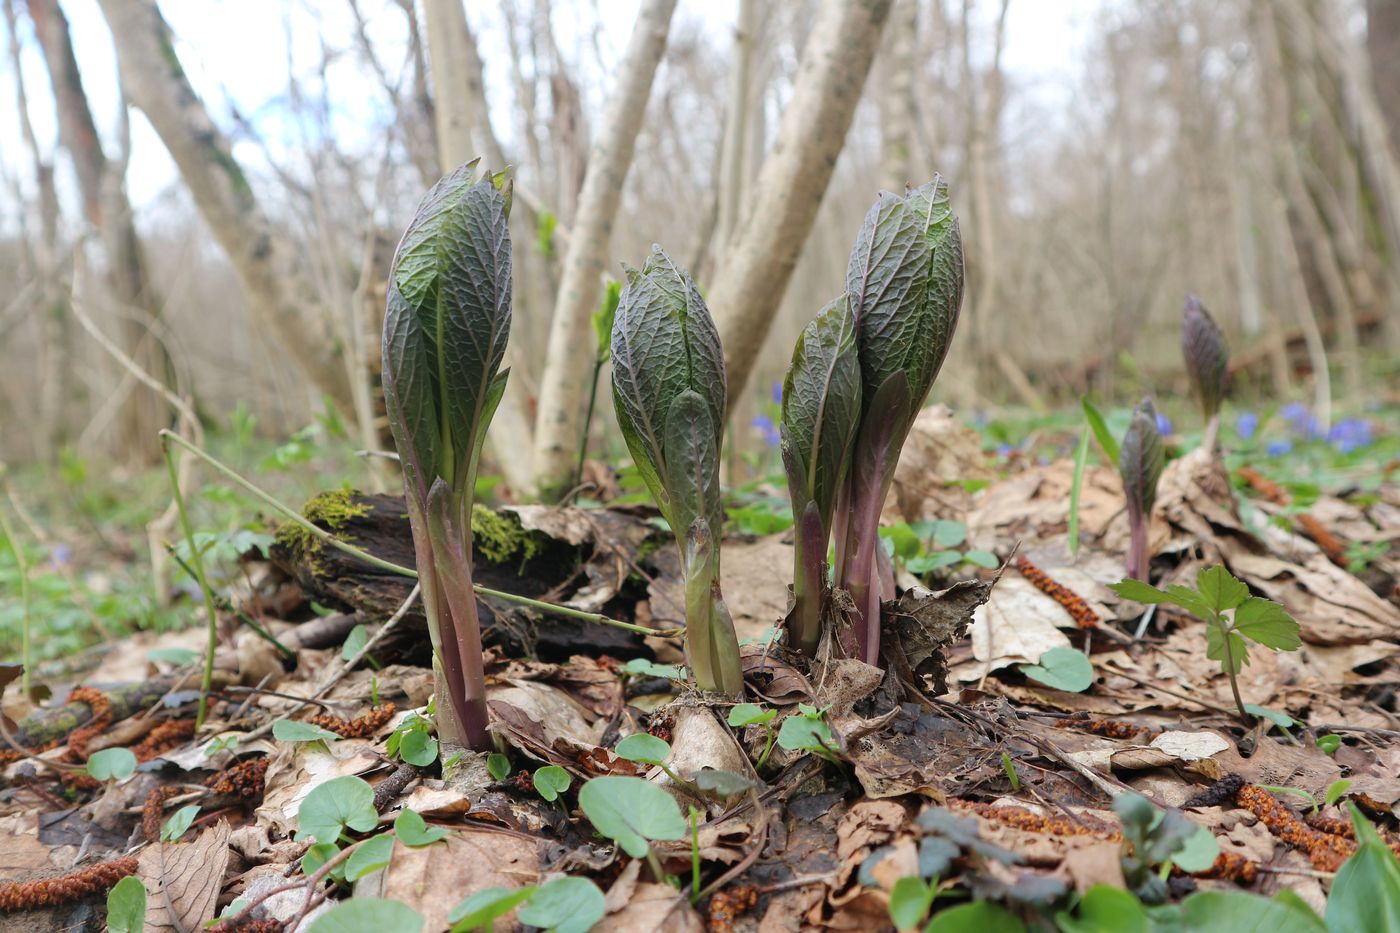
<point x="330" y="510"/>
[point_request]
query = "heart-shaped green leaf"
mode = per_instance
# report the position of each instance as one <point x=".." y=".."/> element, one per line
<point x="631" y="812"/>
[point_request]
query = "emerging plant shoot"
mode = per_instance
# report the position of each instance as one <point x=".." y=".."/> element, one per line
<point x="1207" y="359"/>
<point x="905" y="282"/>
<point x="1140" y="463"/>
<point x="668" y="391"/>
<point x="445" y="333"/>
<point x="821" y="411"/>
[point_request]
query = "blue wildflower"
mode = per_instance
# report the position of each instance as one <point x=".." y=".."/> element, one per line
<point x="1278" y="448"/>
<point x="768" y="429"/>
<point x="1301" y="420"/>
<point x="776" y="391"/>
<point x="1350" y="434"/>
<point x="60" y="555"/>
<point x="1004" y="450"/>
<point x="1164" y="424"/>
<point x="1246" y="424"/>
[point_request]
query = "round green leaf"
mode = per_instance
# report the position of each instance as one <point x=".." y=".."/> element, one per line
<point x="372" y="855"/>
<point x="566" y="905"/>
<point x="977" y="917"/>
<point x="126" y="906"/>
<point x="748" y="714"/>
<point x="551" y="781"/>
<point x="414" y="832"/>
<point x="1198" y="852"/>
<point x="631" y="811"/>
<point x="498" y="766"/>
<point x="643" y="667"/>
<point x="179" y="821"/>
<point x="341" y="803"/>
<point x="644" y="748"/>
<point x="909" y="901"/>
<point x="805" y="732"/>
<point x="112" y="764"/>
<point x="1105" y="907"/>
<point x="176" y="656"/>
<point x="357" y="639"/>
<point x="1062" y="669"/>
<point x="1236" y="910"/>
<point x="368" y="915"/>
<point x="985" y="559"/>
<point x="418" y="748"/>
<point x="486" y="906"/>
<point x="290" y="730"/>
<point x="722" y="783"/>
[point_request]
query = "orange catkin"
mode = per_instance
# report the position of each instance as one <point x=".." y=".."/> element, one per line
<point x="361" y="727"/>
<point x="243" y="780"/>
<point x="1074" y="604"/>
<point x="1331" y="545"/>
<point x="1324" y="850"/>
<point x="1267" y="488"/>
<point x="1108" y="728"/>
<point x="47" y="892"/>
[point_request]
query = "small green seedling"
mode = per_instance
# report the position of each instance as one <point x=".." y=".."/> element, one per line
<point x="484" y="908"/>
<point x="290" y="730"/>
<point x="1155" y="840"/>
<point x="551" y="781"/>
<point x="1217" y="593"/>
<point x="498" y="766"/>
<point x="413" y="742"/>
<point x="1335" y="791"/>
<point x="807" y="731"/>
<point x="1009" y="767"/>
<point x="112" y="764"/>
<point x="340" y="804"/>
<point x="1329" y="744"/>
<point x="1062" y="669"/>
<point x="179" y="821"/>
<point x="751" y="714"/>
<point x="644" y="667"/>
<point x="126" y="906"/>
<point x="649" y="750"/>
<point x="413" y="831"/>
<point x="633" y="812"/>
<point x="565" y="905"/>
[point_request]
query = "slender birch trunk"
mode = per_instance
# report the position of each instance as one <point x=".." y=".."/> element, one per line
<point x="793" y="180"/>
<point x="565" y="381"/>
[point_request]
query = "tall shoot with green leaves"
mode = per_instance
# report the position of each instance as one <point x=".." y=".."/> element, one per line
<point x="905" y="282"/>
<point x="602" y="334"/>
<point x="1140" y="461"/>
<point x="445" y="333"/>
<point x="1207" y="359"/>
<point x="668" y="391"/>
<point x="821" y="411"/>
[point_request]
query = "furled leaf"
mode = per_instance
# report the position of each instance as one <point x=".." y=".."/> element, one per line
<point x="1206" y="354"/>
<point x="664" y="343"/>
<point x="905" y="280"/>
<point x="1141" y="458"/>
<point x="821" y="408"/>
<point x="691" y="457"/>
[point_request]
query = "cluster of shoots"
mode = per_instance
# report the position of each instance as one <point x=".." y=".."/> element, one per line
<point x="859" y="375"/>
<point x="669" y="393"/>
<point x="445" y="332"/>
<point x="1207" y="359"/>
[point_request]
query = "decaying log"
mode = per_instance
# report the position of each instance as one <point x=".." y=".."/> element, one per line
<point x="506" y="557"/>
<point x="46" y="725"/>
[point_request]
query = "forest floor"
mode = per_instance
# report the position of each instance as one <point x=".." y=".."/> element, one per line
<point x="981" y="781"/>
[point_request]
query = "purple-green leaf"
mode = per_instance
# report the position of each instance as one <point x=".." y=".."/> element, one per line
<point x="1206" y="354"/>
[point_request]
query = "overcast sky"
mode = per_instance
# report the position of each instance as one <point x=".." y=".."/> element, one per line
<point x="236" y="53"/>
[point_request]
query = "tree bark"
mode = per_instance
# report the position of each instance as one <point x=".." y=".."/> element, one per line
<point x="565" y="381"/>
<point x="158" y="86"/>
<point x="107" y="209"/>
<point x="736" y="124"/>
<point x="794" y="178"/>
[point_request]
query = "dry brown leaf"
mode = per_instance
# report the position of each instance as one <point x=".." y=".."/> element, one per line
<point x="1017" y="625"/>
<point x="940" y="454"/>
<point x="183" y="880"/>
<point x="434" y="879"/>
<point x="654" y="907"/>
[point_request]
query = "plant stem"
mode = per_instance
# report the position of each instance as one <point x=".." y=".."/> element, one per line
<point x="772" y="737"/>
<point x="694" y="856"/>
<point x="22" y="564"/>
<point x="655" y="864"/>
<point x="1230" y="670"/>
<point x="321" y="534"/>
<point x="197" y="559"/>
<point x="588" y="420"/>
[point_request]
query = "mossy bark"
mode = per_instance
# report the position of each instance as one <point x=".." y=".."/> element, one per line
<point x="47" y="725"/>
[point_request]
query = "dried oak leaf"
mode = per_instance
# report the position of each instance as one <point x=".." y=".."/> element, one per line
<point x="183" y="880"/>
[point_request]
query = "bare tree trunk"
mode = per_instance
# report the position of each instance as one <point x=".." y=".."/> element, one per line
<point x="897" y="116"/>
<point x="49" y="300"/>
<point x="106" y="207"/>
<point x="736" y="124"/>
<point x="565" y="381"/>
<point x="790" y="187"/>
<point x="152" y="75"/>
